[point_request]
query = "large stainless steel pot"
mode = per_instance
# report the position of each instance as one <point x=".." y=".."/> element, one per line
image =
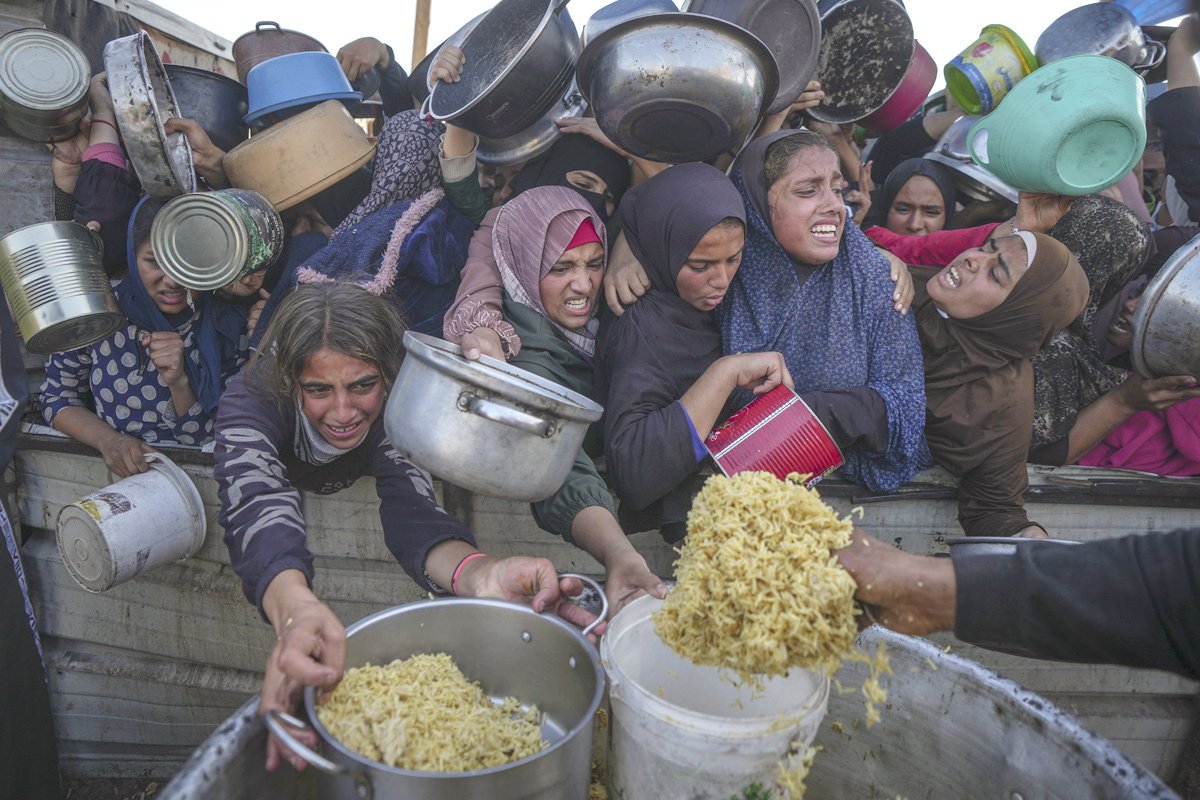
<point x="1166" y="325"/>
<point x="866" y="49"/>
<point x="1100" y="29"/>
<point x="484" y="425"/>
<point x="143" y="101"/>
<point x="973" y="180"/>
<point x="512" y="652"/>
<point x="519" y="61"/>
<point x="216" y="102"/>
<point x="677" y="87"/>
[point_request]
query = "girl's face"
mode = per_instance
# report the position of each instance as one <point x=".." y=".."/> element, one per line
<point x="706" y="275"/>
<point x="808" y="214"/>
<point x="980" y="279"/>
<point x="341" y="396"/>
<point x="569" y="290"/>
<point x="168" y="296"/>
<point x="919" y="208"/>
<point x="1120" y="333"/>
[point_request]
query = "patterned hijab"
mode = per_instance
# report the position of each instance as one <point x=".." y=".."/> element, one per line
<point x="406" y="165"/>
<point x="531" y="233"/>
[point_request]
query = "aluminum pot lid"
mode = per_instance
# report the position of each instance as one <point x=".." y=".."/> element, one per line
<point x="1179" y="260"/>
<point x="200" y="242"/>
<point x="791" y="29"/>
<point x="42" y="70"/>
<point x="504" y="379"/>
<point x="75" y="333"/>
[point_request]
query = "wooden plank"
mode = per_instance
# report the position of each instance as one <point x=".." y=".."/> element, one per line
<point x="173" y="25"/>
<point x="420" y="32"/>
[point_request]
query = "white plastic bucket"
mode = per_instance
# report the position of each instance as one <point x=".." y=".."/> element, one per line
<point x="678" y="731"/>
<point x="136" y="524"/>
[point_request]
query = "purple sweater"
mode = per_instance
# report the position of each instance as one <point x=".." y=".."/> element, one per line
<point x="259" y="476"/>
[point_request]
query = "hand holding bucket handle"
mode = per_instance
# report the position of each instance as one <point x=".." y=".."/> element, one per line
<point x="603" y="599"/>
<point x="275" y="721"/>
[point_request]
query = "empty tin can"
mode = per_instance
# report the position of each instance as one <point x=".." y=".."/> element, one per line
<point x="56" y="287"/>
<point x="211" y="239"/>
<point x="44" y="81"/>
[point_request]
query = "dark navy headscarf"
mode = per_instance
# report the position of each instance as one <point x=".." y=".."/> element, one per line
<point x="217" y="327"/>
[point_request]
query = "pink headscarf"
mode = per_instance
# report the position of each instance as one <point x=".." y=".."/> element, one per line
<point x="531" y="233"/>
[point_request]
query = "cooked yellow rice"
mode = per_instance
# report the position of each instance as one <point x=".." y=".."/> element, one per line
<point x="422" y="714"/>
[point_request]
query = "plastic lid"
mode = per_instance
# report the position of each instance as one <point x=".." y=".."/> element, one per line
<point x="200" y="242"/>
<point x="42" y="70"/>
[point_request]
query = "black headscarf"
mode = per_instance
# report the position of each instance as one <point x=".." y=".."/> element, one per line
<point x="574" y="151"/>
<point x="939" y="174"/>
<point x="335" y="203"/>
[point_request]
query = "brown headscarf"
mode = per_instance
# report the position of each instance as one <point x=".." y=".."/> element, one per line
<point x="979" y="384"/>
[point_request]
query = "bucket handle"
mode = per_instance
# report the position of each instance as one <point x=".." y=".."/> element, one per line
<point x="505" y="415"/>
<point x="1156" y="51"/>
<point x="275" y="720"/>
<point x="603" y="599"/>
<point x="259" y="26"/>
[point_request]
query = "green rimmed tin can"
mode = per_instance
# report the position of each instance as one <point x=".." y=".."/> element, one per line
<point x="207" y="240"/>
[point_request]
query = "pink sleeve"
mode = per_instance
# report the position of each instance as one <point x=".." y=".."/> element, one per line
<point x="936" y="249"/>
<point x="480" y="298"/>
<point x="107" y="152"/>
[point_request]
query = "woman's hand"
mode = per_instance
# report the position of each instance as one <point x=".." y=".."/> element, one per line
<point x="166" y="351"/>
<point x="360" y="55"/>
<point x="1155" y="394"/>
<point x="532" y="581"/>
<point x="758" y="372"/>
<point x="903" y="296"/>
<point x="483" y="342"/>
<point x="447" y="66"/>
<point x="589" y="128"/>
<point x="124" y="455"/>
<point x="1039" y="213"/>
<point x="207" y="158"/>
<point x="310" y="650"/>
<point x="625" y="280"/>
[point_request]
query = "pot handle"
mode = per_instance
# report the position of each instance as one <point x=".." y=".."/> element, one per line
<point x="1159" y="51"/>
<point x="362" y="787"/>
<point x="258" y="27"/>
<point x="511" y="417"/>
<point x="603" y="599"/>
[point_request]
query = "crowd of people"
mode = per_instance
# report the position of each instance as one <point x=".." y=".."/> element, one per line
<point x="922" y="328"/>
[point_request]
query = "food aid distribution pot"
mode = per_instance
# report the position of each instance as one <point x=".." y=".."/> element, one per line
<point x="1074" y="127"/>
<point x="56" y="287"/>
<point x="138" y="523"/>
<point x="142" y="102"/>
<point x="1100" y="29"/>
<point x="1166" y="325"/>
<point x="909" y="95"/>
<point x="216" y="102"/>
<point x="267" y="41"/>
<point x="621" y="10"/>
<point x="866" y="50"/>
<point x="684" y="731"/>
<point x="677" y="87"/>
<point x="484" y="425"/>
<point x="972" y="180"/>
<point x="511" y="651"/>
<point x="790" y="28"/>
<point x="519" y="62"/>
<point x="44" y="80"/>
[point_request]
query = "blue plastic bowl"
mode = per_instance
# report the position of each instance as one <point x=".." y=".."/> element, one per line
<point x="297" y="79"/>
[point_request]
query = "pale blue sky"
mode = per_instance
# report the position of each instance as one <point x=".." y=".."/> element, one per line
<point x="943" y="28"/>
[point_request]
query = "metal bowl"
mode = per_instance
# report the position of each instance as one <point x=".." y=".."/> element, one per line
<point x="995" y="545"/>
<point x="622" y="10"/>
<point x="1166" y="325"/>
<point x="143" y="101"/>
<point x="678" y="87"/>
<point x="1100" y="29"/>
<point x="973" y="180"/>
<point x="216" y="102"/>
<point x="790" y="28"/>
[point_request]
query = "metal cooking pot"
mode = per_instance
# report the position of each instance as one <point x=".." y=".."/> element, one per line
<point x="909" y="95"/>
<point x="519" y="61"/>
<point x="790" y="28"/>
<point x="677" y="87"/>
<point x="866" y="49"/>
<point x="537" y="138"/>
<point x="621" y="10"/>
<point x="1100" y="29"/>
<point x="1166" y="325"/>
<point x="484" y="425"/>
<point x="216" y="102"/>
<point x="142" y="102"/>
<point x="268" y="40"/>
<point x="973" y="180"/>
<point x="44" y="80"/>
<point x="512" y="652"/>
